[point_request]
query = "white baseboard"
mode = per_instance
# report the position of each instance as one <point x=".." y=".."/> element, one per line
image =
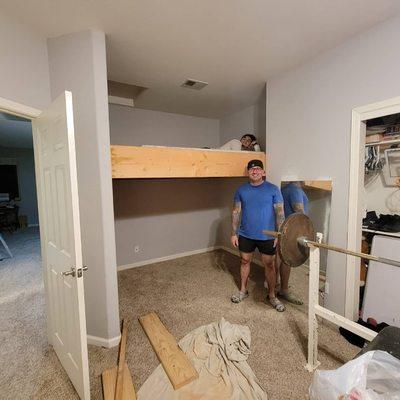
<point x="167" y="258"/>
<point x="107" y="343"/>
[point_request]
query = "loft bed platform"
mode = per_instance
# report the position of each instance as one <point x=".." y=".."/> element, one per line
<point x="133" y="162"/>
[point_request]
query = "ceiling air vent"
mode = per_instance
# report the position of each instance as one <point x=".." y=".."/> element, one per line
<point x="193" y="84"/>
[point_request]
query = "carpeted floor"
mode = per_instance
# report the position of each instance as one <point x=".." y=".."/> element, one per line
<point x="186" y="293"/>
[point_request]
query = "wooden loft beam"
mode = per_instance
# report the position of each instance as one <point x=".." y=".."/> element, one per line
<point x="323" y="185"/>
<point x="173" y="162"/>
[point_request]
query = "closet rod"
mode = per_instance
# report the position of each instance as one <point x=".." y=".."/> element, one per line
<point x="382" y="142"/>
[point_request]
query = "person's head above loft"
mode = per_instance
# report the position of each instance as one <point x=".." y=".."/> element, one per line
<point x="248" y="142"/>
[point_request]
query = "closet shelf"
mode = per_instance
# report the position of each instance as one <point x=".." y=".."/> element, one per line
<point x="382" y="142"/>
<point x="393" y="234"/>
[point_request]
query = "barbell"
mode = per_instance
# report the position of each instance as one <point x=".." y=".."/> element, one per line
<point x="297" y="234"/>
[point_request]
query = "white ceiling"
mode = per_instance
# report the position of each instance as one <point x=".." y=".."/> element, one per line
<point x="15" y="132"/>
<point x="234" y="45"/>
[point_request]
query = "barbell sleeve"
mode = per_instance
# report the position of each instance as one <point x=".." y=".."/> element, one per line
<point x="306" y="242"/>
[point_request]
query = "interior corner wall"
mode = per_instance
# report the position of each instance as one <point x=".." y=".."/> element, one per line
<point x="78" y="64"/>
<point x="260" y="119"/>
<point x="309" y="122"/>
<point x="164" y="217"/>
<point x="26" y="181"/>
<point x="24" y="76"/>
<point x="234" y="126"/>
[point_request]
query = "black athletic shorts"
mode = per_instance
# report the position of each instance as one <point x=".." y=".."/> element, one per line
<point x="247" y="245"/>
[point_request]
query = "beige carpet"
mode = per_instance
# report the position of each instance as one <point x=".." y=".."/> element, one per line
<point x="186" y="293"/>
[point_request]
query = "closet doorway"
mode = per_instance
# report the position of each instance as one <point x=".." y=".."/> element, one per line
<point x="361" y="118"/>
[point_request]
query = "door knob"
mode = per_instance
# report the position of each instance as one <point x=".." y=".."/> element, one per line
<point x="72" y="272"/>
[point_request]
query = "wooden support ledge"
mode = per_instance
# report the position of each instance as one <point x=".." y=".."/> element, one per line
<point x="130" y="162"/>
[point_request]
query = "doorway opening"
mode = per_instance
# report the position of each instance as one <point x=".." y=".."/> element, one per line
<point x="361" y="117"/>
<point x="22" y="294"/>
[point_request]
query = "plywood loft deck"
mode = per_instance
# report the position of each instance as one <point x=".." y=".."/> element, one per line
<point x="130" y="162"/>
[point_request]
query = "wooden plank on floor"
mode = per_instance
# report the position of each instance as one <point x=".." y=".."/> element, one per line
<point x="109" y="377"/>
<point x="176" y="365"/>
<point x="121" y="363"/>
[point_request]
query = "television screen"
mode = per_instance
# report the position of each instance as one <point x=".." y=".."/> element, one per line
<point x="9" y="180"/>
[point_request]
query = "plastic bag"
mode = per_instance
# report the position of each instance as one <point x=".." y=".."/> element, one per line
<point x="373" y="376"/>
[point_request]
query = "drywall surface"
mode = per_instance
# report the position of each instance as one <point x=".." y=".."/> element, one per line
<point x="163" y="217"/>
<point x="78" y="64"/>
<point x="379" y="196"/>
<point x="234" y="126"/>
<point x="24" y="76"/>
<point x="309" y="120"/>
<point x="133" y="126"/>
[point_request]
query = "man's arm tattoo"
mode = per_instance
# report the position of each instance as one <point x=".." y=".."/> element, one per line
<point x="237" y="207"/>
<point x="279" y="215"/>
<point x="298" y="207"/>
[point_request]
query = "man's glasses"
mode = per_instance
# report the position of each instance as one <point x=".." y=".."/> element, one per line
<point x="255" y="169"/>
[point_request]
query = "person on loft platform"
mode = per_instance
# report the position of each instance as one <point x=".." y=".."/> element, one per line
<point x="246" y="143"/>
<point x="258" y="205"/>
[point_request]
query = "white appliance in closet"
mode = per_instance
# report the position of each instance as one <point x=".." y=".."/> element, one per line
<point x="382" y="291"/>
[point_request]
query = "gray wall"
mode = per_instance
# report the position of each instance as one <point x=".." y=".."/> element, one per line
<point x="26" y="181"/>
<point x="133" y="126"/>
<point x="309" y="117"/>
<point x="248" y="120"/>
<point x="24" y="76"/>
<point x="164" y="216"/>
<point x="78" y="64"/>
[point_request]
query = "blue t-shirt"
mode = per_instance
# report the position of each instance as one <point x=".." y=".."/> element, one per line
<point x="257" y="209"/>
<point x="294" y="194"/>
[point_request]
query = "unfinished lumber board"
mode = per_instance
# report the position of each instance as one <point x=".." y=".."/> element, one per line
<point x="121" y="363"/>
<point x="173" y="162"/>
<point x="176" y="365"/>
<point x="322" y="184"/>
<point x="109" y="377"/>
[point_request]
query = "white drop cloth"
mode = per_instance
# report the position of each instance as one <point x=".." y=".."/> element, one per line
<point x="219" y="352"/>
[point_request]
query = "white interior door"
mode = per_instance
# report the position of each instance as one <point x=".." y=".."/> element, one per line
<point x="57" y="188"/>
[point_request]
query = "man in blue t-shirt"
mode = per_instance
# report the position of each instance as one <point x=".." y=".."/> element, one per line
<point x="296" y="201"/>
<point x="258" y="205"/>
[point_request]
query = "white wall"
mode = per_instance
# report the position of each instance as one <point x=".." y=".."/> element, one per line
<point x="164" y="216"/>
<point x="309" y="117"/>
<point x="380" y="197"/>
<point x="134" y="126"/>
<point x="26" y="181"/>
<point x="78" y="64"/>
<point x="249" y="120"/>
<point x="24" y="71"/>
<point x="234" y="126"/>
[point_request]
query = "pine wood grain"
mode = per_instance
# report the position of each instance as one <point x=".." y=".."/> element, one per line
<point x="176" y="365"/>
<point x="169" y="162"/>
<point x="121" y="363"/>
<point x="109" y="377"/>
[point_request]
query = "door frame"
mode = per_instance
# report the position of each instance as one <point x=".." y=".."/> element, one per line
<point x="356" y="186"/>
<point x="21" y="110"/>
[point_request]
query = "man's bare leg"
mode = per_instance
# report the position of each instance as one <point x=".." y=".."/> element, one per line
<point x="270" y="277"/>
<point x="245" y="261"/>
<point x="284" y="290"/>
